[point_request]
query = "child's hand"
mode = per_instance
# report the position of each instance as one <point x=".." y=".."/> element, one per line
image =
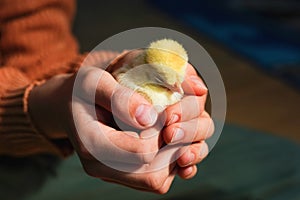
<point x="52" y="108"/>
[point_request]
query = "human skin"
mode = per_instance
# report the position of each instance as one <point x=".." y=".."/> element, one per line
<point x="58" y="112"/>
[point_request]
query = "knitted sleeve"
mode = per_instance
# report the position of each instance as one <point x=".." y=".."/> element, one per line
<point x="36" y="43"/>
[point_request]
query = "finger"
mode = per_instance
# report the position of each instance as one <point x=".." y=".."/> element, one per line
<point x="192" y="154"/>
<point x="190" y="131"/>
<point x="152" y="181"/>
<point x="126" y="57"/>
<point x="131" y="186"/>
<point x="193" y="84"/>
<point x="168" y="182"/>
<point x="187" y="172"/>
<point x="164" y="189"/>
<point x="188" y="108"/>
<point x="101" y="88"/>
<point x="132" y="108"/>
<point x="107" y="174"/>
<point x="105" y="143"/>
<point x="124" y="146"/>
<point x="100" y="59"/>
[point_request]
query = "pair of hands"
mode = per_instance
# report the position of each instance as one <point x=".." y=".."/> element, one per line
<point x="86" y="117"/>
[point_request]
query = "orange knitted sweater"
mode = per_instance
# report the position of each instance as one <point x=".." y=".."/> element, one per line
<point x="36" y="43"/>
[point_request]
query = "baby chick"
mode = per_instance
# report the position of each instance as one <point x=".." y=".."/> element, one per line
<point x="156" y="72"/>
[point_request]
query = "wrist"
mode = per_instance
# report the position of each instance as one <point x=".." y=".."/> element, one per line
<point x="46" y="107"/>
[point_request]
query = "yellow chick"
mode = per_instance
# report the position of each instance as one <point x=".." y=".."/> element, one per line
<point x="156" y="72"/>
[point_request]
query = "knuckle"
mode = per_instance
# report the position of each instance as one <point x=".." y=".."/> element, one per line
<point x="122" y="98"/>
<point x="146" y="152"/>
<point x="168" y="111"/>
<point x="88" y="76"/>
<point x="163" y="190"/>
<point x="168" y="133"/>
<point x="94" y="75"/>
<point x="88" y="79"/>
<point x="205" y="129"/>
<point x="154" y="182"/>
<point x="204" y="150"/>
<point x="82" y="148"/>
<point x="201" y="105"/>
<point x="141" y="147"/>
<point x="211" y="128"/>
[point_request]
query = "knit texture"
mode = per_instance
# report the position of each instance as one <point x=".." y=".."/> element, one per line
<point x="36" y="43"/>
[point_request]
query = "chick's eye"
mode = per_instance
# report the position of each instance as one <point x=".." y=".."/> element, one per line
<point x="158" y="79"/>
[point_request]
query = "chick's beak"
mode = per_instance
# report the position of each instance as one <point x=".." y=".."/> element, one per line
<point x="176" y="88"/>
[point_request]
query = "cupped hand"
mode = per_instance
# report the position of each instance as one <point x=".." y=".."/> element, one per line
<point x="79" y="106"/>
<point x="186" y="122"/>
<point x="122" y="157"/>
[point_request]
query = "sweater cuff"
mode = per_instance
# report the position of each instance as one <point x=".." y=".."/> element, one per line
<point x="18" y="136"/>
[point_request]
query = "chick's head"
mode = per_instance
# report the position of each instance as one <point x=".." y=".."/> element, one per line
<point x="169" y="60"/>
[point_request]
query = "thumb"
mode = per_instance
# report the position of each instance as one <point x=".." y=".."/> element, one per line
<point x="132" y="108"/>
<point x="125" y="104"/>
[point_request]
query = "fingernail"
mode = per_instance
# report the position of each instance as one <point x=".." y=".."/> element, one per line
<point x="145" y="115"/>
<point x="178" y="135"/>
<point x="202" y="153"/>
<point x="174" y="119"/>
<point x="196" y="80"/>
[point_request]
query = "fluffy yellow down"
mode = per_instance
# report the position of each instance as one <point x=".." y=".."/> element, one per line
<point x="159" y="82"/>
<point x="167" y="52"/>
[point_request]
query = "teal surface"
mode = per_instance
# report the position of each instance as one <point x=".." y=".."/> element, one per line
<point x="245" y="164"/>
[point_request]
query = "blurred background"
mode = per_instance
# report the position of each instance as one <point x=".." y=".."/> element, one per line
<point x="256" y="46"/>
